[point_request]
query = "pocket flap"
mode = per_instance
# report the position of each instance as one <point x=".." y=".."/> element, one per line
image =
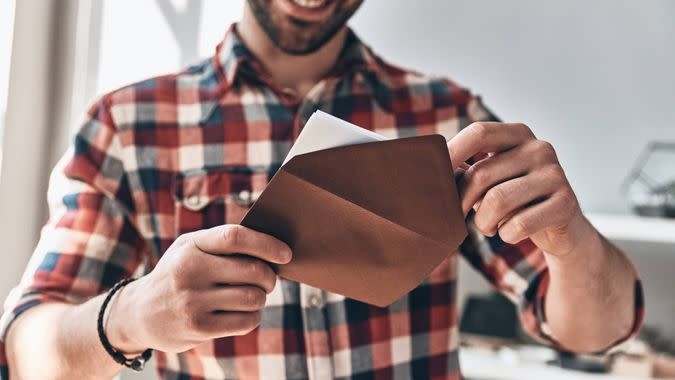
<point x="195" y="190"/>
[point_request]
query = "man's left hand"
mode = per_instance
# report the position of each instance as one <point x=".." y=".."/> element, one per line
<point x="519" y="189"/>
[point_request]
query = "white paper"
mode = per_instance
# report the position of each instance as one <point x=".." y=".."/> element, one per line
<point x="324" y="131"/>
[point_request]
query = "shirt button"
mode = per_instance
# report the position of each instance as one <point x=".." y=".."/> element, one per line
<point x="245" y="195"/>
<point x="315" y="301"/>
<point x="193" y="201"/>
<point x="244" y="198"/>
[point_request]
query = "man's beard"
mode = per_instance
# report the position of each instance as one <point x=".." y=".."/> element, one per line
<point x="294" y="36"/>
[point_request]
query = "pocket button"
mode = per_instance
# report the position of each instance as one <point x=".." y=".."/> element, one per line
<point x="194" y="202"/>
<point x="245" y="195"/>
<point x="244" y="198"/>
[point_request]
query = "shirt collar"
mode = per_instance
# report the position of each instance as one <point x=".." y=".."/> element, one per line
<point x="233" y="57"/>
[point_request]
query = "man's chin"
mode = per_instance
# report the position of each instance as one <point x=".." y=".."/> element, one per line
<point x="298" y="50"/>
<point x="293" y="45"/>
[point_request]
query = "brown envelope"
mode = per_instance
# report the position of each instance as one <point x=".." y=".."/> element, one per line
<point x="367" y="221"/>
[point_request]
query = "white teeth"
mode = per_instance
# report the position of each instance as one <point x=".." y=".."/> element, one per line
<point x="310" y="3"/>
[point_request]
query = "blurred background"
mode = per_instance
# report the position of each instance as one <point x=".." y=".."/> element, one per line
<point x="593" y="78"/>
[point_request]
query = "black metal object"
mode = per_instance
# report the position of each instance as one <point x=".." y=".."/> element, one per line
<point x="490" y="315"/>
<point x="652" y="194"/>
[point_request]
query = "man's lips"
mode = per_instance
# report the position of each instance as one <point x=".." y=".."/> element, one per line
<point x="310" y="3"/>
<point x="308" y="10"/>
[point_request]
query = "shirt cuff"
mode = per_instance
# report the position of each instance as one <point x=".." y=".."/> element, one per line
<point x="13" y="308"/>
<point x="533" y="315"/>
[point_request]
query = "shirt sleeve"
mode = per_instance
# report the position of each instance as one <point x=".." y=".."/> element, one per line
<point x="90" y="241"/>
<point x="519" y="271"/>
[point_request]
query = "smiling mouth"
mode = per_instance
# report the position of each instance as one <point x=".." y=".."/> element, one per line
<point x="308" y="11"/>
<point x="311" y="4"/>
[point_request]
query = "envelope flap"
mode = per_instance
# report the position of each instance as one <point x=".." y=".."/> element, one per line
<point x="408" y="181"/>
<point x="341" y="247"/>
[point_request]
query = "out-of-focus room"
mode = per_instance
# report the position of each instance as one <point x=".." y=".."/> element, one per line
<point x="594" y="78"/>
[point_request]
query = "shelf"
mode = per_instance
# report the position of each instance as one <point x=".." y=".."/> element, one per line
<point x="486" y="365"/>
<point x="634" y="228"/>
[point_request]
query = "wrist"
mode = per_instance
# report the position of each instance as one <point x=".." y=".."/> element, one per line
<point x="122" y="323"/>
<point x="586" y="250"/>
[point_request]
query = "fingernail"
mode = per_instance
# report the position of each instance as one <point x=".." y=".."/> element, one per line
<point x="286" y="255"/>
<point x="477" y="205"/>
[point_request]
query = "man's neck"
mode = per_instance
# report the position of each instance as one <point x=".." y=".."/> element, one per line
<point x="298" y="72"/>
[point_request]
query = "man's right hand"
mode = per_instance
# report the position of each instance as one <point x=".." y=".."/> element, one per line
<point x="209" y="284"/>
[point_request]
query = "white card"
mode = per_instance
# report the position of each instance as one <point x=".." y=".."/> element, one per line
<point x="324" y="131"/>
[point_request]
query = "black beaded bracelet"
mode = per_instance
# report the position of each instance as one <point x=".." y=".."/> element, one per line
<point x="137" y="363"/>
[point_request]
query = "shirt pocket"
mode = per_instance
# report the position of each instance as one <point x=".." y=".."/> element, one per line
<point x="208" y="198"/>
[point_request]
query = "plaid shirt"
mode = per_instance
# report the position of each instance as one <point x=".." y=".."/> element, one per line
<point x="193" y="150"/>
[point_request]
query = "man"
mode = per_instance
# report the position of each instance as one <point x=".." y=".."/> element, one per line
<point x="163" y="170"/>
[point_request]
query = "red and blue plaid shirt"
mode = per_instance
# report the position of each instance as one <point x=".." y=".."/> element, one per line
<point x="193" y="150"/>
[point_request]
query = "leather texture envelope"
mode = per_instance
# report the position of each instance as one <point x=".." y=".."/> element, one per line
<point x="368" y="221"/>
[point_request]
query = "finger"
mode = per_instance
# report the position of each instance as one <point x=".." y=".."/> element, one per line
<point x="551" y="212"/>
<point x="232" y="238"/>
<point x="489" y="172"/>
<point x="502" y="200"/>
<point x="486" y="138"/>
<point x="212" y="325"/>
<point x="247" y="271"/>
<point x="200" y="270"/>
<point x="459" y="173"/>
<point x="234" y="298"/>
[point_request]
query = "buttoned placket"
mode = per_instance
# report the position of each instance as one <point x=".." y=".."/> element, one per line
<point x="312" y="300"/>
<point x="317" y="340"/>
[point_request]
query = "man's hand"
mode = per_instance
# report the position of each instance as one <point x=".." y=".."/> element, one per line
<point x="519" y="190"/>
<point x="208" y="284"/>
